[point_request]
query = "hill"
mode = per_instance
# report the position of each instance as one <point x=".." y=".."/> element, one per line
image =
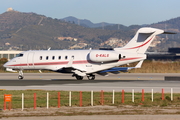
<point x="26" y="31"/>
<point x="85" y="22"/>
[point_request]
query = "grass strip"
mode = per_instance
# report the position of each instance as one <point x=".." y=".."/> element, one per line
<point x="86" y="97"/>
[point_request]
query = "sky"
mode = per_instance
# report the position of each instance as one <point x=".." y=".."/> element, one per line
<point x="126" y="12"/>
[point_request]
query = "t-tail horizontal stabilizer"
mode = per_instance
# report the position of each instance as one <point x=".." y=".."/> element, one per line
<point x="165" y="32"/>
<point x="124" y="69"/>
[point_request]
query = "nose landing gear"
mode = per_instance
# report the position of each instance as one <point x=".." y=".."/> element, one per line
<point x="90" y="77"/>
<point x="20" y="77"/>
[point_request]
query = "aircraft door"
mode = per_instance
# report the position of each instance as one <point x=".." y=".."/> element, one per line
<point x="30" y="60"/>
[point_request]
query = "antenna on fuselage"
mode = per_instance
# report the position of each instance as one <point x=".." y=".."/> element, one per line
<point x="49" y="48"/>
<point x="90" y="50"/>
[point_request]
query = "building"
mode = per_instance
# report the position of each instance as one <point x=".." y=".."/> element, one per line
<point x="9" y="54"/>
<point x="9" y="9"/>
<point x="171" y="54"/>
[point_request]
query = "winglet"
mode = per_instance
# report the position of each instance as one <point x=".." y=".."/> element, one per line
<point x="139" y="64"/>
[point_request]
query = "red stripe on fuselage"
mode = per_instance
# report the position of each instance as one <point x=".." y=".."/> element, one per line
<point x="52" y="63"/>
<point x="18" y="65"/>
<point x="130" y="58"/>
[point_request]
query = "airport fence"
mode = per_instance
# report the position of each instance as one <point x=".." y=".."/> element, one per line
<point x="51" y="99"/>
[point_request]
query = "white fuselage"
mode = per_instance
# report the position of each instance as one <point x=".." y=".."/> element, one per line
<point x="84" y="60"/>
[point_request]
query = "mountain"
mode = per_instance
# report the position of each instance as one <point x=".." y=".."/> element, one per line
<point x="24" y="31"/>
<point x="32" y="31"/>
<point x="85" y="22"/>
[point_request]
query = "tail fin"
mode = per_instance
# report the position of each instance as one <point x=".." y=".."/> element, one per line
<point x="141" y="41"/>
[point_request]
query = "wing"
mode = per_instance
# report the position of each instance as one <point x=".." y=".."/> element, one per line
<point x="116" y="70"/>
<point x="69" y="68"/>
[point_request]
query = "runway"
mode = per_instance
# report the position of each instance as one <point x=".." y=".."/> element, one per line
<point x="57" y="81"/>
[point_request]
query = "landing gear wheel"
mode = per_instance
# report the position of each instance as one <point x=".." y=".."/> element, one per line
<point x="79" y="77"/>
<point x="20" y="77"/>
<point x="91" y="77"/>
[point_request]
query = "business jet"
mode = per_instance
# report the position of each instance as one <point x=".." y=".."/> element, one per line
<point x="82" y="63"/>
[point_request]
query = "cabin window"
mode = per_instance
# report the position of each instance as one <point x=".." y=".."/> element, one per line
<point x="40" y="58"/>
<point x="59" y="57"/>
<point x="20" y="55"/>
<point x="66" y="57"/>
<point x="47" y="57"/>
<point x="53" y="57"/>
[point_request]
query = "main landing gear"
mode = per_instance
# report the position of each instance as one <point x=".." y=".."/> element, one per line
<point x="79" y="77"/>
<point x="90" y="77"/>
<point x="20" y="77"/>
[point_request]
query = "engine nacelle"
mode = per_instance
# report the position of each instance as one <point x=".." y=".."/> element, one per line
<point x="104" y="56"/>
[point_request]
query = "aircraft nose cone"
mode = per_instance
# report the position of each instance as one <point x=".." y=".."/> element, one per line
<point x="5" y="65"/>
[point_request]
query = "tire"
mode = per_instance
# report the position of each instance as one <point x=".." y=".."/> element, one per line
<point x="20" y="77"/>
<point x="91" y="77"/>
<point x="79" y="77"/>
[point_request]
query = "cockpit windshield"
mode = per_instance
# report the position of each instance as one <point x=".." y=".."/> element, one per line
<point x="19" y="55"/>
